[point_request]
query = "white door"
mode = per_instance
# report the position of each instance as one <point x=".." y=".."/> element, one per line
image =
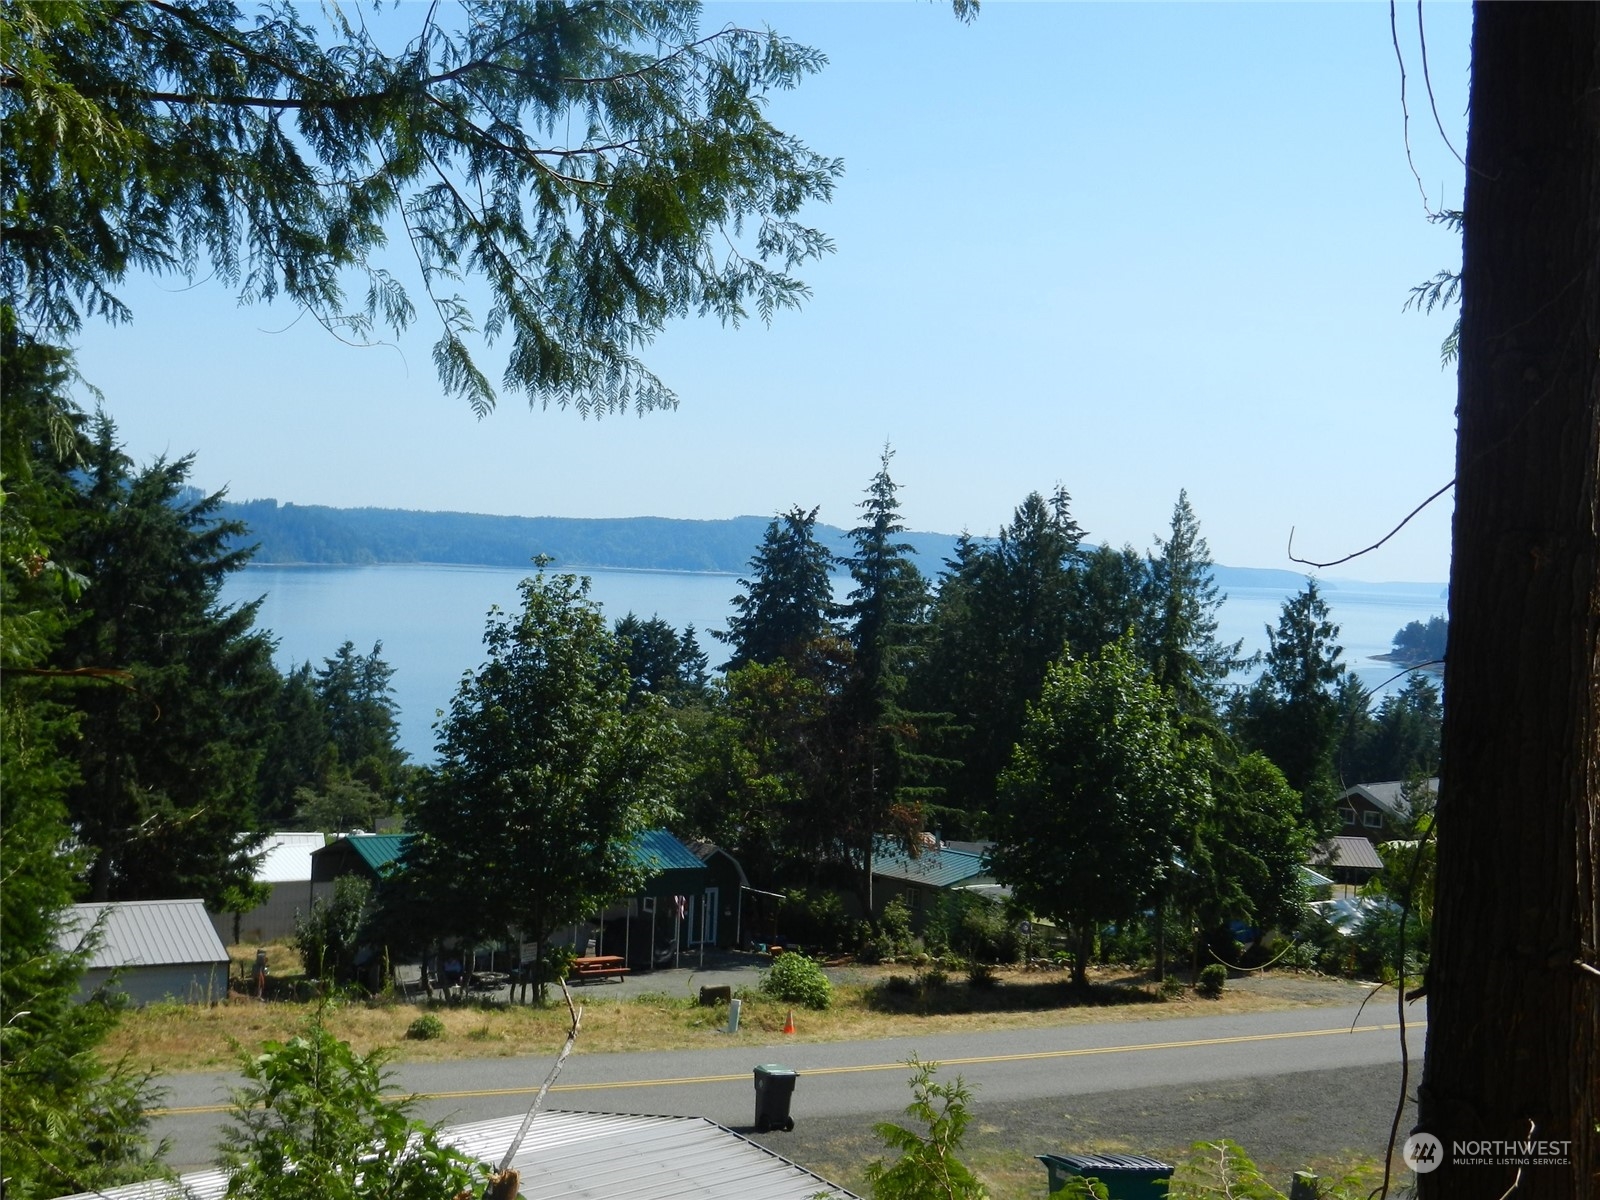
<point x="708" y="916"/>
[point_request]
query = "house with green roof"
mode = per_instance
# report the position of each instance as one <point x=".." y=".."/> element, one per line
<point x="649" y="916"/>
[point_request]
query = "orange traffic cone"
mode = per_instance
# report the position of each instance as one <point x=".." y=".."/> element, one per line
<point x="788" y="1025"/>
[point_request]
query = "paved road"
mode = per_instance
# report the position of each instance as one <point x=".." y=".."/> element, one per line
<point x="865" y="1081"/>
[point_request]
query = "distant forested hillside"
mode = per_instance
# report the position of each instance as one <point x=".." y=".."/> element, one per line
<point x="313" y="533"/>
<point x="295" y="533"/>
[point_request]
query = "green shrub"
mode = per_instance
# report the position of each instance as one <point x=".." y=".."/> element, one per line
<point x="900" y="985"/>
<point x="1170" y="988"/>
<point x="982" y="976"/>
<point x="934" y="978"/>
<point x="1213" y="977"/>
<point x="895" y="921"/>
<point x="795" y="979"/>
<point x="425" y="1028"/>
<point x="314" y="1104"/>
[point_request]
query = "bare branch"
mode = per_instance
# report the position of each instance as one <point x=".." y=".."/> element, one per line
<point x="1335" y="562"/>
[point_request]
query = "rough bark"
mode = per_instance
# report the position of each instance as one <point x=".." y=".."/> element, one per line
<point x="1513" y="1048"/>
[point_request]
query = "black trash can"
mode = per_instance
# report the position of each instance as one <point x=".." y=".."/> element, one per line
<point x="774" y="1087"/>
<point x="1126" y="1176"/>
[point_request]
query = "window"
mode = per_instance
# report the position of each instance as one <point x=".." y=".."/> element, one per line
<point x="1372" y="820"/>
<point x="1347" y="815"/>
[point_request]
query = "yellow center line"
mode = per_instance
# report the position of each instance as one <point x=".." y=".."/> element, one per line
<point x="976" y="1060"/>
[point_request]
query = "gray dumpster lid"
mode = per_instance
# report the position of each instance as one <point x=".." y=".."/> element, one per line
<point x="775" y="1069"/>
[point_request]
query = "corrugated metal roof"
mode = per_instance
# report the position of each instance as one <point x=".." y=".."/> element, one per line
<point x="144" y="933"/>
<point x="1349" y="852"/>
<point x="660" y="851"/>
<point x="378" y="850"/>
<point x="935" y="867"/>
<point x="596" y="1156"/>
<point x="288" y="857"/>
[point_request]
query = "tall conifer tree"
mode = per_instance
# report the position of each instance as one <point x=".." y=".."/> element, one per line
<point x="788" y="600"/>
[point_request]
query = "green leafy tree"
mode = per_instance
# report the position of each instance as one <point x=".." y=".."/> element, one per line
<point x="928" y="1167"/>
<point x="546" y="776"/>
<point x="1292" y="712"/>
<point x="787" y="603"/>
<point x="600" y="167"/>
<point x="1101" y="783"/>
<point x="68" y="1122"/>
<point x="1246" y="849"/>
<point x="314" y="1121"/>
<point x="330" y="935"/>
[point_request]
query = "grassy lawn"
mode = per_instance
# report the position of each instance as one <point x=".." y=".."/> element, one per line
<point x="173" y="1037"/>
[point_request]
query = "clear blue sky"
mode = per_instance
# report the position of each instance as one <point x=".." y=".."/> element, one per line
<point x="1128" y="248"/>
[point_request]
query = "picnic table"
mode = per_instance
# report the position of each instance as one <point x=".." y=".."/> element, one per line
<point x="599" y="966"/>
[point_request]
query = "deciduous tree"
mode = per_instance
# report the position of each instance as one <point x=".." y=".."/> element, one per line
<point x="546" y="776"/>
<point x="1102" y="782"/>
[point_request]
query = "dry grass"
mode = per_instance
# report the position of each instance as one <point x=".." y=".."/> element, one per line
<point x="173" y="1038"/>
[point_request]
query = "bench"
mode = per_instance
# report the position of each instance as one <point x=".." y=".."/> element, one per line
<point x="599" y="966"/>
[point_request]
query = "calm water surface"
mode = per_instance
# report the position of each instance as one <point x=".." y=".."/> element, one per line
<point x="430" y="619"/>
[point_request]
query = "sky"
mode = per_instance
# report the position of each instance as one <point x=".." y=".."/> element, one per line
<point x="1124" y="248"/>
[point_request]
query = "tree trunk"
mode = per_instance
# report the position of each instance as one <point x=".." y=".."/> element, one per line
<point x="1513" y="1048"/>
<point x="1161" y="936"/>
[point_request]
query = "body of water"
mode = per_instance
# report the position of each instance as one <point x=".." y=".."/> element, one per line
<point x="430" y="619"/>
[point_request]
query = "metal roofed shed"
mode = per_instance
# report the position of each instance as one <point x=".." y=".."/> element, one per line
<point x="1126" y="1176"/>
<point x="593" y="1156"/>
<point x="157" y="949"/>
<point x="285" y="867"/>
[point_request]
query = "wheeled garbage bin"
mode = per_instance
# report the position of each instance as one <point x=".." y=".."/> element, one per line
<point x="1126" y="1176"/>
<point x="774" y="1087"/>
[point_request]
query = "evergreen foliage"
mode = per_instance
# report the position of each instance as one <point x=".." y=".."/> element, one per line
<point x="67" y="1122"/>
<point x="885" y="784"/>
<point x="787" y="603"/>
<point x="1291" y="713"/>
<point x="1183" y="601"/>
<point x="1420" y="643"/>
<point x="1004" y="613"/>
<point x="661" y="662"/>
<point x="600" y="167"/>
<point x="928" y="1167"/>
<point x="167" y="761"/>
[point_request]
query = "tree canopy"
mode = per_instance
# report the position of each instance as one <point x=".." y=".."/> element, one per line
<point x="1100" y="785"/>
<point x="547" y="775"/>
<point x="601" y="167"/>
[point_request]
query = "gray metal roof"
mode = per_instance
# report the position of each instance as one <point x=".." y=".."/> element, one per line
<point x="595" y="1156"/>
<point x="1389" y="795"/>
<point x="143" y="933"/>
<point x="287" y="857"/>
<point x="1348" y="852"/>
<point x="937" y="866"/>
